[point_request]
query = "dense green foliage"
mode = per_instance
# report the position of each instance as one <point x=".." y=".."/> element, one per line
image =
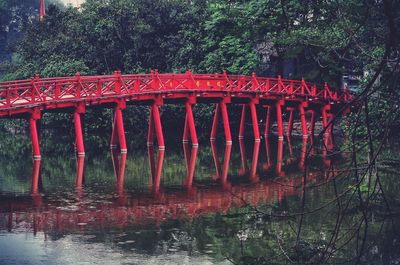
<point x="316" y="39"/>
<point x="319" y="40"/>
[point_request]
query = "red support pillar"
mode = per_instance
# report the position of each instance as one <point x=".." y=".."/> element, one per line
<point x="254" y="119"/>
<point x="34" y="135"/>
<point x="80" y="148"/>
<point x="279" y="119"/>
<point x="158" y="127"/>
<point x="242" y="122"/>
<point x="155" y="125"/>
<point x="225" y="119"/>
<point x="113" y="141"/>
<point x="191" y="125"/>
<point x="215" y="123"/>
<point x="35" y="177"/>
<point x="157" y="180"/>
<point x="290" y="123"/>
<point x="80" y="162"/>
<point x="120" y="128"/>
<point x="304" y="130"/>
<point x="267" y="121"/>
<point x="121" y="172"/>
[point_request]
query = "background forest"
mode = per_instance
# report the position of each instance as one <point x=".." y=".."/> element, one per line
<point x="315" y="39"/>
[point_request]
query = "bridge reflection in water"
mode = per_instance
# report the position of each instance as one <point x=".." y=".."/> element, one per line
<point x="265" y="179"/>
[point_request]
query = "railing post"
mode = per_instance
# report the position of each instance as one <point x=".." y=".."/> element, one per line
<point x="325" y="90"/>
<point x="255" y="82"/>
<point x="57" y="92"/>
<point x="33" y="90"/>
<point x="8" y="96"/>
<point x="191" y="83"/>
<point x="117" y="84"/>
<point x="98" y="87"/>
<point x="279" y="84"/>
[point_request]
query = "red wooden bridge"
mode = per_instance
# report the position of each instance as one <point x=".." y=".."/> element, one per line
<point x="30" y="98"/>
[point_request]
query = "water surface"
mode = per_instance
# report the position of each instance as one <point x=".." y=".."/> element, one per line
<point x="213" y="205"/>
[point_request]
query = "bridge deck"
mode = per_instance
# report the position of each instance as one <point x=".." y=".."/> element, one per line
<point x="17" y="97"/>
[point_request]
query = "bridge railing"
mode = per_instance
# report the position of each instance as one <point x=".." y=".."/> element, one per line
<point x="41" y="90"/>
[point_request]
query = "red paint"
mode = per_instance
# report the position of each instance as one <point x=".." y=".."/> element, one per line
<point x="158" y="127"/>
<point x="80" y="163"/>
<point x="42" y="10"/>
<point x="242" y="122"/>
<point x="191" y="124"/>
<point x="80" y="149"/>
<point x="34" y="138"/>
<point x="121" y="129"/>
<point x="214" y="129"/>
<point x="28" y="96"/>
<point x="267" y="121"/>
<point x="279" y="119"/>
<point x="254" y="120"/>
<point x="35" y="177"/>
<point x="225" y="120"/>
<point x="303" y="120"/>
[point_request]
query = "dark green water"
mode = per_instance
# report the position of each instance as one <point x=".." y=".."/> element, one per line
<point x="259" y="214"/>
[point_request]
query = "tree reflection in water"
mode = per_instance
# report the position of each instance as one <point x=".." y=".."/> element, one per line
<point x="274" y="202"/>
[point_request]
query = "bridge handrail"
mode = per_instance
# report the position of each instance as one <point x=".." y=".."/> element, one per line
<point x="36" y="89"/>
